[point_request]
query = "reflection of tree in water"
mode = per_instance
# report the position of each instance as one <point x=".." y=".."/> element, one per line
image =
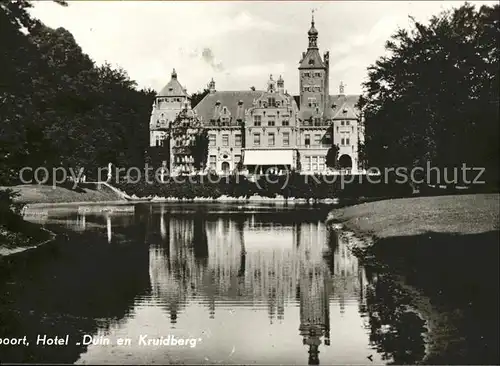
<point x="75" y="286"/>
<point x="396" y="330"/>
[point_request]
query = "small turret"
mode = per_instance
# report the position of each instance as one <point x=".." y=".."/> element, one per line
<point x="211" y="86"/>
<point x="341" y="88"/>
<point x="281" y="85"/>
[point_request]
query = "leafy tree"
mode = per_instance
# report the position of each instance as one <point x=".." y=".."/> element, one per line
<point x="58" y="107"/>
<point x="332" y="156"/>
<point x="435" y="97"/>
<point x="200" y="149"/>
<point x="198" y="96"/>
<point x="252" y="88"/>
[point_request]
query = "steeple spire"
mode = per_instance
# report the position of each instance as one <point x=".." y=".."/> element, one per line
<point x="174" y="74"/>
<point x="313" y="34"/>
<point x="341" y="88"/>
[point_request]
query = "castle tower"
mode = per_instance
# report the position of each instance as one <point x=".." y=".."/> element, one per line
<point x="313" y="74"/>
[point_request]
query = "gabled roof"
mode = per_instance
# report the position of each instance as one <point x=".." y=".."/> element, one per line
<point x="339" y="107"/>
<point x="312" y="60"/>
<point x="173" y="89"/>
<point x="207" y="109"/>
<point x="345" y="106"/>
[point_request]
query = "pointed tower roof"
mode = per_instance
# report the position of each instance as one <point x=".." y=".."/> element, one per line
<point x="312" y="58"/>
<point x="173" y="88"/>
<point x="312" y="31"/>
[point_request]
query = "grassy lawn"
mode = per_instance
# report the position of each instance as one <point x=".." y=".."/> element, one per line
<point x="31" y="193"/>
<point x="446" y="248"/>
<point x="461" y="214"/>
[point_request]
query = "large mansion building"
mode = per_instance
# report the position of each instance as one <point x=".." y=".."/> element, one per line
<point x="252" y="130"/>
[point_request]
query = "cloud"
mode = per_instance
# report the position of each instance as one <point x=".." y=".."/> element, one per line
<point x="208" y="56"/>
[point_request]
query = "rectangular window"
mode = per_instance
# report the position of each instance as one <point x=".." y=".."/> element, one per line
<point x="317" y="139"/>
<point x="317" y="121"/>
<point x="158" y="141"/>
<point x="307" y="139"/>
<point x="307" y="164"/>
<point x="286" y="139"/>
<point x="341" y="123"/>
<point x="270" y="123"/>
<point x="272" y="101"/>
<point x="257" y="120"/>
<point x="225" y="140"/>
<point x="317" y="74"/>
<point x="286" y="122"/>
<point x="312" y="102"/>
<point x="347" y="142"/>
<point x="342" y="142"/>
<point x="347" y="123"/>
<point x="314" y="165"/>
<point x="271" y="139"/>
<point x="237" y="140"/>
<point x="256" y="139"/>
<point x="321" y="163"/>
<point x="213" y="162"/>
<point x="211" y="139"/>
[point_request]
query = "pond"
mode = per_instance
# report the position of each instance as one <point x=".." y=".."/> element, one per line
<point x="200" y="283"/>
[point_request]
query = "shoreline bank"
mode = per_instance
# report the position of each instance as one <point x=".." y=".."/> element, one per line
<point x="8" y="252"/>
<point x="442" y="252"/>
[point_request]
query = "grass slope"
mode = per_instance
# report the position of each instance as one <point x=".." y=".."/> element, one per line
<point x="462" y="214"/>
<point x="47" y="194"/>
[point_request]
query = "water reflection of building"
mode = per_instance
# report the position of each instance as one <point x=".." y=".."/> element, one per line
<point x="173" y="268"/>
<point x="347" y="274"/>
<point x="224" y="261"/>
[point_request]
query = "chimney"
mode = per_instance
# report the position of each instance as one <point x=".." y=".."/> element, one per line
<point x="281" y="85"/>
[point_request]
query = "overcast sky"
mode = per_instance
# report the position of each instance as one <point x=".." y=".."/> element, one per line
<point x="237" y="43"/>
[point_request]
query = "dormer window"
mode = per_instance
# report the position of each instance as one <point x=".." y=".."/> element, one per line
<point x="257" y="120"/>
<point x="170" y="89"/>
<point x="311" y="62"/>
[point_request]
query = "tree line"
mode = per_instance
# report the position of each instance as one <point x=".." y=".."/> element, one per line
<point x="58" y="108"/>
<point x="434" y="96"/>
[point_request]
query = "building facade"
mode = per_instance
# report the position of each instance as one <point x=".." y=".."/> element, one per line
<point x="173" y="128"/>
<point x="271" y="130"/>
<point x="252" y="130"/>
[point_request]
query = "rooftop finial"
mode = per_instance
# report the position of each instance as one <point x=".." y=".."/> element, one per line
<point x="174" y="74"/>
<point x="341" y="88"/>
<point x="313" y="33"/>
